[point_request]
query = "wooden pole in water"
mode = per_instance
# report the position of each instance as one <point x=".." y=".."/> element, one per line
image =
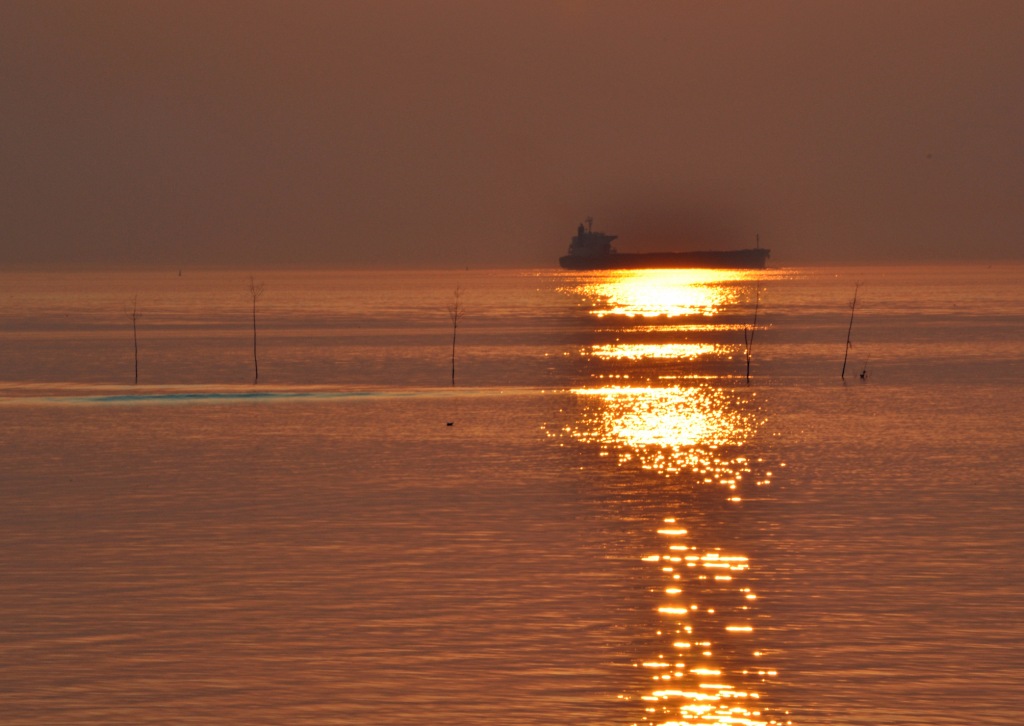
<point x="849" y="330"/>
<point x="133" y="315"/>
<point x="455" y="312"/>
<point x="748" y="331"/>
<point x="255" y="292"/>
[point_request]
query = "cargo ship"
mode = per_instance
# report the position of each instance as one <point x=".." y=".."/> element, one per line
<point x="591" y="250"/>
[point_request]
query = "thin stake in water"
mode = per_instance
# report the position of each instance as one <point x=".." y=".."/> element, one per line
<point x="849" y="330"/>
<point x="455" y="313"/>
<point x="255" y="292"/>
<point x="133" y="315"/>
<point x="748" y="330"/>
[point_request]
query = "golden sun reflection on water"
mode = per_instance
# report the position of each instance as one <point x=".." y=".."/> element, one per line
<point x="708" y="670"/>
<point x="672" y="351"/>
<point x="654" y="293"/>
<point x="704" y="666"/>
<point x="669" y="429"/>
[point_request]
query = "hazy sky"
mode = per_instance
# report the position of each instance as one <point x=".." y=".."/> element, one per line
<point x="453" y="133"/>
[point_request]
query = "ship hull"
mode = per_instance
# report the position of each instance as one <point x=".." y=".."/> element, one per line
<point x="750" y="259"/>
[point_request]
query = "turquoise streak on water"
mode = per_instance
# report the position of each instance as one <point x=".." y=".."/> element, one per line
<point x="602" y="522"/>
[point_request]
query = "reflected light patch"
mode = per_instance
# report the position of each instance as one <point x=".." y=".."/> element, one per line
<point x="719" y="682"/>
<point x="669" y="429"/>
<point x="650" y="417"/>
<point x="660" y="351"/>
<point x="657" y="293"/>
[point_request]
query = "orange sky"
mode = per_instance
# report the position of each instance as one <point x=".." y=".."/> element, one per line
<point x="474" y="133"/>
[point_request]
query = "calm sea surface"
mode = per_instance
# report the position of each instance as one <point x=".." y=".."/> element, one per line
<point x="602" y="522"/>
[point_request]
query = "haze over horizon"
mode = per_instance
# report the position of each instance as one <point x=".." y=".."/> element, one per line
<point x="458" y="133"/>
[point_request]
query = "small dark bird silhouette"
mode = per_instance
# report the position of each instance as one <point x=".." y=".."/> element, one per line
<point x="450" y="423"/>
